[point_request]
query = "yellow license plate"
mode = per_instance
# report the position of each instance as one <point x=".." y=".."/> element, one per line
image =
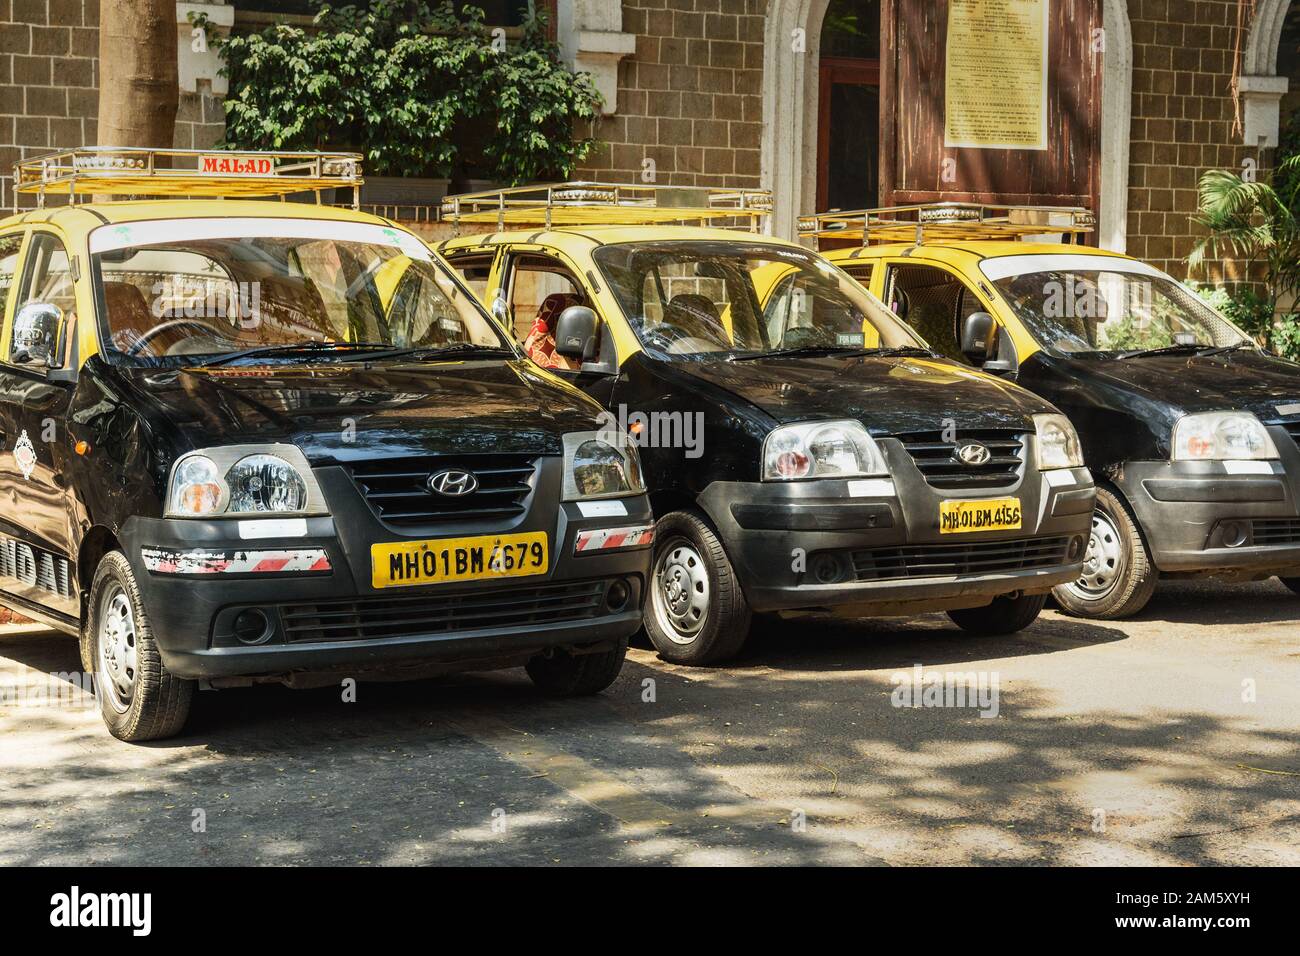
<point x="994" y="514"/>
<point x="446" y="560"/>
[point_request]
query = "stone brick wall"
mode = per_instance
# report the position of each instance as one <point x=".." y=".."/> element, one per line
<point x="1182" y="121"/>
<point x="49" y="86"/>
<point x="49" y="79"/>
<point x="690" y="98"/>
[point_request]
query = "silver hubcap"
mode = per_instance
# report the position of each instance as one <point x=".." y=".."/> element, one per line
<point x="681" y="592"/>
<point x="1104" y="561"/>
<point x="118" y="660"/>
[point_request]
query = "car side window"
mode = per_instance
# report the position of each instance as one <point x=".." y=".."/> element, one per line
<point x="860" y="272"/>
<point x="931" y="301"/>
<point x="46" y="304"/>
<point x="10" y="246"/>
<point x="474" y="271"/>
<point x="540" y="288"/>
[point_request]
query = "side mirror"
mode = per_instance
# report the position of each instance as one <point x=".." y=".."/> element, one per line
<point x="36" y="335"/>
<point x="500" y="310"/>
<point x="575" y="333"/>
<point x="976" y="332"/>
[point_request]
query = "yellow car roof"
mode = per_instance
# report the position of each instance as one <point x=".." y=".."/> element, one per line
<point x="92" y="214"/>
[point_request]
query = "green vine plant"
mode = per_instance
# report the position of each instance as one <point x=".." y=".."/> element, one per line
<point x="420" y="88"/>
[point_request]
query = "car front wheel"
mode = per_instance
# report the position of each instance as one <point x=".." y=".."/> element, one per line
<point x="561" y="674"/>
<point x="697" y="613"/>
<point x="1005" y="615"/>
<point x="1118" y="577"/>
<point x="138" y="697"/>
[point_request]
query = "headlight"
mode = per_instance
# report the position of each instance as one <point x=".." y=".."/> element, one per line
<point x="840" y="449"/>
<point x="241" y="480"/>
<point x="1058" y="443"/>
<point x="600" y="465"/>
<point x="265" y="483"/>
<point x="1221" y="436"/>
<point x="197" y="488"/>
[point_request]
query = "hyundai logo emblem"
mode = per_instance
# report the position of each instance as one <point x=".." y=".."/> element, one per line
<point x="453" y="483"/>
<point x="973" y="453"/>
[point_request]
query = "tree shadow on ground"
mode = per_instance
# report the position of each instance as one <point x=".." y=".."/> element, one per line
<point x="413" y="772"/>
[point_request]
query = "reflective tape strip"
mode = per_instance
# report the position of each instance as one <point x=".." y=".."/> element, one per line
<point x="607" y="539"/>
<point x="305" y="560"/>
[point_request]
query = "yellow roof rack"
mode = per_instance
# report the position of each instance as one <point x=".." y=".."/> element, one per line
<point x="589" y="204"/>
<point x="930" y="222"/>
<point x="184" y="172"/>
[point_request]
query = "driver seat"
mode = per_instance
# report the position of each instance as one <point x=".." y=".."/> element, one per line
<point x="129" y="317"/>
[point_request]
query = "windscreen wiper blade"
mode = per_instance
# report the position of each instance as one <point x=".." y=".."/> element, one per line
<point x="1166" y="350"/>
<point x="429" y="351"/>
<point x="847" y="351"/>
<point x="290" y="348"/>
<point x="1224" y="349"/>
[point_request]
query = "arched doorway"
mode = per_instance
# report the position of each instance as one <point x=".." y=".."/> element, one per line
<point x="1288" y="65"/>
<point x="791" y="108"/>
<point x="848" y="106"/>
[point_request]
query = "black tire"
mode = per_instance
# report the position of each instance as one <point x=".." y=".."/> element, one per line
<point x="561" y="674"/>
<point x="157" y="703"/>
<point x="688" y="556"/>
<point x="1119" y="578"/>
<point x="1005" y="615"/>
<point x="1292" y="583"/>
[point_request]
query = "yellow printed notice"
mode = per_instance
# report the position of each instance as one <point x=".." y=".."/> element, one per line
<point x="996" y="85"/>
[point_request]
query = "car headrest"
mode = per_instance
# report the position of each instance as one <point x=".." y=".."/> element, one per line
<point x="555" y="303"/>
<point x="127" y="308"/>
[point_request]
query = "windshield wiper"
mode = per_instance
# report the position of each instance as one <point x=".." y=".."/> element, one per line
<point x="839" y="350"/>
<point x="428" y="351"/>
<point x="289" y="348"/>
<point x="1166" y="350"/>
<point x="1224" y="349"/>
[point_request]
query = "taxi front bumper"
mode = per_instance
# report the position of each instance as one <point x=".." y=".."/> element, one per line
<point x="1219" y="518"/>
<point x="831" y="543"/>
<point x="205" y="588"/>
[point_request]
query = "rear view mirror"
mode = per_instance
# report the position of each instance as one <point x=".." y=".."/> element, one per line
<point x="575" y="333"/>
<point x="36" y="335"/>
<point x="976" y="333"/>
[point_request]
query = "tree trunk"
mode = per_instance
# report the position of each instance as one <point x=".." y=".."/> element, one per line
<point x="138" y="85"/>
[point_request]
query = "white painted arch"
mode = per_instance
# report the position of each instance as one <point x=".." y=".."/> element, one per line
<point x="1259" y="87"/>
<point x="789" y="160"/>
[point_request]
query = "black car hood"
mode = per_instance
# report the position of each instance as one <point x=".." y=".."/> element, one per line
<point x="346" y="411"/>
<point x="1252" y="381"/>
<point x="888" y="395"/>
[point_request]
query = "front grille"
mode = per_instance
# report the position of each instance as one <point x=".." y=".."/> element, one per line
<point x="1276" y="531"/>
<point x="397" y="489"/>
<point x="937" y="560"/>
<point x="937" y="459"/>
<point x="360" y="619"/>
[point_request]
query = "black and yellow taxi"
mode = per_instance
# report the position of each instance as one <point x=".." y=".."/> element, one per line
<point x="805" y="451"/>
<point x="248" y="440"/>
<point x="1189" y="427"/>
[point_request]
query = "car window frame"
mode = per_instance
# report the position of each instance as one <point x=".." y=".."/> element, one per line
<point x="609" y="359"/>
<point x="67" y="343"/>
<point x="969" y="286"/>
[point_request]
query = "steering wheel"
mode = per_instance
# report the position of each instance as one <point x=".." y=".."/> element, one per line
<point x="168" y="326"/>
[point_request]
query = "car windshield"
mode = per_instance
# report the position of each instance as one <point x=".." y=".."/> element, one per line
<point x="186" y="291"/>
<point x="706" y="300"/>
<point x="1114" y="313"/>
